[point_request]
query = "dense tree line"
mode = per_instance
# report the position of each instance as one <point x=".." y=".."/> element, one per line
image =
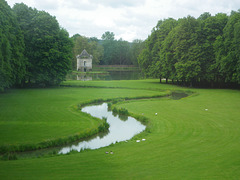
<point x="36" y="51"/>
<point x="115" y="51"/>
<point x="197" y="52"/>
<point x="107" y="50"/>
<point x="33" y="47"/>
<point x="119" y="52"/>
<point x="12" y="60"/>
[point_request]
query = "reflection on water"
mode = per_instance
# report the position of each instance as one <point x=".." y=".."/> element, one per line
<point x="111" y="75"/>
<point x="118" y="131"/>
<point x="84" y="77"/>
<point x="124" y="75"/>
<point x="121" y="128"/>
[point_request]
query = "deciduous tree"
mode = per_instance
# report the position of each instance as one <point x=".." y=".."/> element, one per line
<point x="12" y="61"/>
<point x="48" y="47"/>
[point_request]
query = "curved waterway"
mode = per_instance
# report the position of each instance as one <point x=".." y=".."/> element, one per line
<point x="119" y="130"/>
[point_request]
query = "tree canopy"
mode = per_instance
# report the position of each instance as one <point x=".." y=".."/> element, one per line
<point x="108" y="50"/>
<point x="203" y="51"/>
<point x="119" y="52"/>
<point x="12" y="60"/>
<point x="47" y="46"/>
<point x="197" y="52"/>
<point x="33" y="47"/>
<point x="36" y="51"/>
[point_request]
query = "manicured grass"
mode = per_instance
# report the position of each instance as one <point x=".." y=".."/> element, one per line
<point x="31" y="116"/>
<point x="185" y="141"/>
<point x="152" y="84"/>
<point x="189" y="142"/>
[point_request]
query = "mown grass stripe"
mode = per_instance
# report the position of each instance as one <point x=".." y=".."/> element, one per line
<point x="185" y="141"/>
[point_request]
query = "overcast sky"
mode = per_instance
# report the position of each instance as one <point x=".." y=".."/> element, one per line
<point x="127" y="19"/>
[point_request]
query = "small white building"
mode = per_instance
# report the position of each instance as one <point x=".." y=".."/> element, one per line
<point x="84" y="61"/>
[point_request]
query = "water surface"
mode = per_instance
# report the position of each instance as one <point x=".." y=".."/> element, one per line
<point x="111" y="75"/>
<point x="119" y="130"/>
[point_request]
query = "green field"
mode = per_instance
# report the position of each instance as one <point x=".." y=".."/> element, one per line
<point x="196" y="137"/>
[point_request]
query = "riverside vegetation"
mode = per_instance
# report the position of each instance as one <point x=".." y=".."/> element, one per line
<point x="196" y="137"/>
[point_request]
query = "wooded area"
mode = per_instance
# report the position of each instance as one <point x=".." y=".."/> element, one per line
<point x="34" y="50"/>
<point x="107" y="50"/>
<point x="197" y="52"/>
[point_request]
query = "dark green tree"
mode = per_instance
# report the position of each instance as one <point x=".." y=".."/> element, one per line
<point x="211" y="27"/>
<point x="136" y="48"/>
<point x="185" y="50"/>
<point x="122" y="53"/>
<point x="163" y="66"/>
<point x="48" y="47"/>
<point x="12" y="61"/>
<point x="96" y="50"/>
<point x="154" y="62"/>
<point x="116" y="52"/>
<point x="144" y="60"/>
<point x="203" y="51"/>
<point x="228" y="49"/>
<point x="108" y="36"/>
<point x="109" y="46"/>
<point x="146" y="57"/>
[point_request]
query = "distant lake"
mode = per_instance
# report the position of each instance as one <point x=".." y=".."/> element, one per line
<point x="111" y="75"/>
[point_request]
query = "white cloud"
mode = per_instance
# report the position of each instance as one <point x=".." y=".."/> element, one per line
<point x="118" y="3"/>
<point x="128" y="19"/>
<point x="47" y="4"/>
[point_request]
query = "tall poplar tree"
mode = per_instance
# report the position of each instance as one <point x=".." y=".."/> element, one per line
<point x="12" y="61"/>
<point x="229" y="59"/>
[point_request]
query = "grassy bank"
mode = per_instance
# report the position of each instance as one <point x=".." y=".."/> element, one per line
<point x="196" y="137"/>
<point x="39" y="118"/>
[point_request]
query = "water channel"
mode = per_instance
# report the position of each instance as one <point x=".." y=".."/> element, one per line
<point x="110" y="75"/>
<point x="119" y="130"/>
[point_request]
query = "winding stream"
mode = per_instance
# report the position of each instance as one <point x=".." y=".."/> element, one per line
<point x="119" y="130"/>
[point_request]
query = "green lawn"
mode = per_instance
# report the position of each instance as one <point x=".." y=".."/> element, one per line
<point x="31" y="116"/>
<point x="185" y="141"/>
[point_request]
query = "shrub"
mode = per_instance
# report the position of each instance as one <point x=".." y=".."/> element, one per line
<point x="115" y="110"/>
<point x="104" y="125"/>
<point x="115" y="101"/>
<point x="123" y="111"/>
<point x="109" y="106"/>
<point x="123" y="117"/>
